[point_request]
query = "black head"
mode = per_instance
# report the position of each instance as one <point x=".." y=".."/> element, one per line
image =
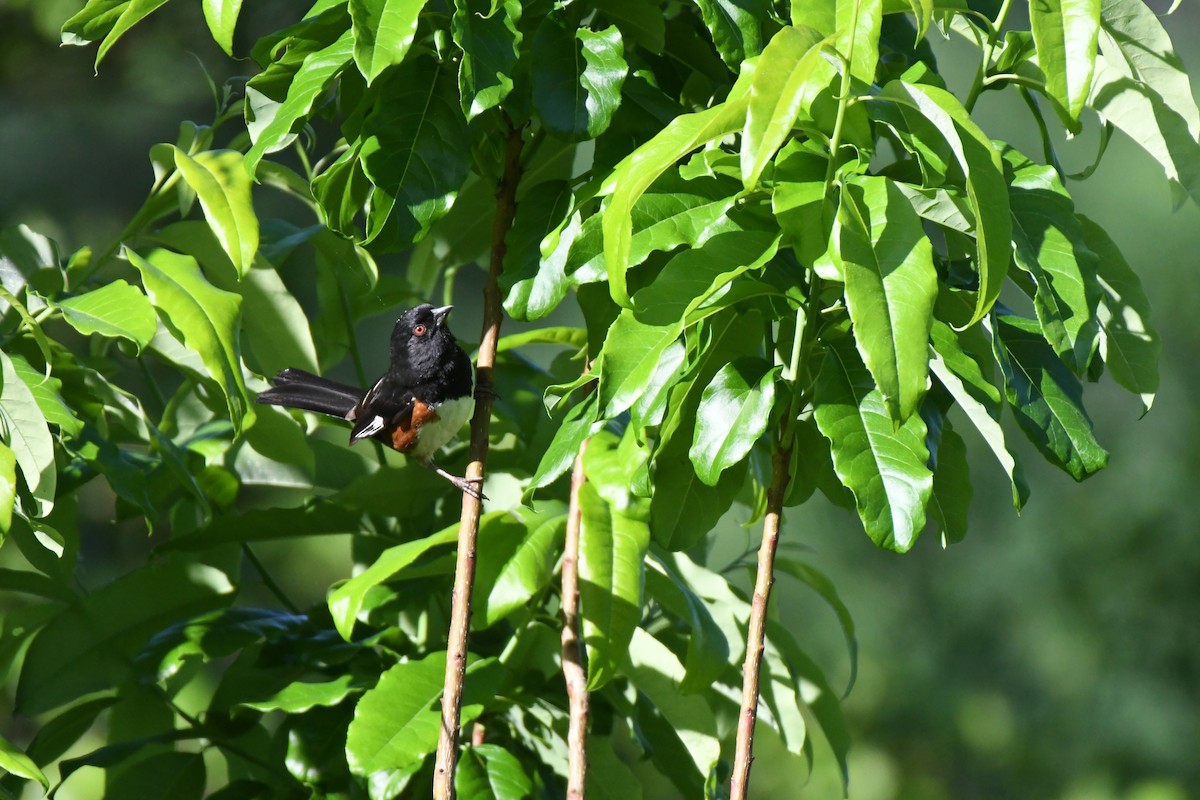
<point x="421" y="340"/>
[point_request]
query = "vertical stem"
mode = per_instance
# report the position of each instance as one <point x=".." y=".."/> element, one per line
<point x="572" y="645"/>
<point x="744" y="749"/>
<point x="468" y="528"/>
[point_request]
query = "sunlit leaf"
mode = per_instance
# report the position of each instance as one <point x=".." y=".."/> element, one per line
<point x="223" y="187"/>
<point x="114" y="309"/>
<point x="490" y="41"/>
<point x="733" y="414"/>
<point x="383" y="31"/>
<point x="28" y="437"/>
<point x="222" y="17"/>
<point x="577" y="76"/>
<point x="1066" y="33"/>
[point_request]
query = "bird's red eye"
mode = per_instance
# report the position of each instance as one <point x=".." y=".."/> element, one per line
<point x="419" y="330"/>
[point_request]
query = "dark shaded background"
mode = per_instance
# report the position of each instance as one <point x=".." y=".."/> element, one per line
<point x="1054" y="655"/>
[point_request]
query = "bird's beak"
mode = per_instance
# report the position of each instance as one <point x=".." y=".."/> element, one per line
<point x="440" y="314"/>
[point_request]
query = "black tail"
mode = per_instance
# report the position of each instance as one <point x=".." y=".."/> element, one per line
<point x="295" y="388"/>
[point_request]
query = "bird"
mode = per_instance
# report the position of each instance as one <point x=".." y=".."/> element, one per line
<point x="418" y="405"/>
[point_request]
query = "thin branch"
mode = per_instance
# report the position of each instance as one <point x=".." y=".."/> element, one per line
<point x="744" y="749"/>
<point x="468" y="528"/>
<point x="572" y="644"/>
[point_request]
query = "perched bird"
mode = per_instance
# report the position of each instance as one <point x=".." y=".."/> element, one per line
<point x="419" y="404"/>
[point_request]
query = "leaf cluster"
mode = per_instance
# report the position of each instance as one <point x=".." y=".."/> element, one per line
<point x="776" y="231"/>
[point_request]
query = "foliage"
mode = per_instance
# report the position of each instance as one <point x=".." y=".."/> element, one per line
<point x="779" y="231"/>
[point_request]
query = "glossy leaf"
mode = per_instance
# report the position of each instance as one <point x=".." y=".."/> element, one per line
<point x="735" y="27"/>
<point x="1129" y="344"/>
<point x="579" y="423"/>
<point x="630" y="179"/>
<point x="516" y="556"/>
<point x="490" y="40"/>
<point x="489" y="772"/>
<point x="14" y="761"/>
<point x="791" y="71"/>
<point x="274" y="123"/>
<point x="302" y="696"/>
<point x="28" y="437"/>
<point x="657" y="673"/>
<point x="577" y="77"/>
<point x="707" y="648"/>
<point x="47" y="393"/>
<point x="1046" y="399"/>
<point x="952" y="488"/>
<point x="887" y="263"/>
<point x="204" y="317"/>
<point x="383" y="31"/>
<point x="223" y="187"/>
<point x="856" y="25"/>
<point x="979" y="400"/>
<point x="110" y="19"/>
<point x="733" y="414"/>
<point x="114" y="309"/>
<point x="928" y="108"/>
<point x="1066" y="33"/>
<point x="612" y="546"/>
<point x="884" y="466"/>
<point x="277" y="331"/>
<point x="222" y="17"/>
<point x="408" y="163"/>
<point x="1048" y="244"/>
<point x="346" y="600"/>
<point x="534" y="277"/>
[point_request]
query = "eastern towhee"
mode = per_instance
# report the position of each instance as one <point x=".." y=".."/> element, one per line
<point x="418" y="405"/>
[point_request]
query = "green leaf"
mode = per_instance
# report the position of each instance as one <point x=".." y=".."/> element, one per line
<point x="516" y="559"/>
<point x="223" y="188"/>
<point x="657" y="673"/>
<point x="277" y="331"/>
<point x="346" y="600"/>
<point x="979" y="400"/>
<point x="1046" y="398"/>
<point x="222" y="17"/>
<point x="111" y="19"/>
<point x="490" y="40"/>
<point x="629" y="359"/>
<point x="301" y="696"/>
<point x="790" y="73"/>
<point x="489" y="772"/>
<point x="612" y="549"/>
<point x="1129" y="344"/>
<point x="882" y="465"/>
<point x="608" y="777"/>
<point x="211" y="637"/>
<point x="13" y="760"/>
<point x="47" y="392"/>
<point x="733" y="414"/>
<point x="105" y="629"/>
<point x="577" y="76"/>
<point x="637" y="171"/>
<point x="1048" y="243"/>
<point x="936" y="111"/>
<point x="856" y="23"/>
<point x="26" y="434"/>
<point x="57" y="735"/>
<point x="114" y="309"/>
<point x="204" y="318"/>
<point x="735" y="27"/>
<point x="579" y="423"/>
<point x="394" y="724"/>
<point x="1126" y="92"/>
<point x="887" y="262"/>
<point x="383" y="32"/>
<point x="951" y="487"/>
<point x="8" y="487"/>
<point x="535" y="281"/>
<point x="407" y="165"/>
<point x="707" y="648"/>
<point x="1066" y="32"/>
<point x="274" y="122"/>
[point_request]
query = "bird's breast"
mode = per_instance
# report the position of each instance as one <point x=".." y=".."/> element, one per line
<point x="431" y="426"/>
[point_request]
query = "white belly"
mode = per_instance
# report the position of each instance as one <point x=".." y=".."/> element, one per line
<point x="451" y="416"/>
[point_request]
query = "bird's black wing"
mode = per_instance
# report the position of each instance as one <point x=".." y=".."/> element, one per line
<point x="381" y="408"/>
<point x="295" y="388"/>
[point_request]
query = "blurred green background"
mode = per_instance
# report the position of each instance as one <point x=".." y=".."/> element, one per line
<point x="1051" y="655"/>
